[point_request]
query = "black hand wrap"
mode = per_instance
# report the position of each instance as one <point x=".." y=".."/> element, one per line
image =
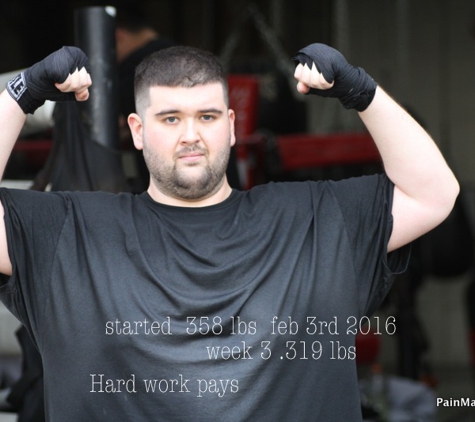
<point x="353" y="86"/>
<point x="32" y="87"/>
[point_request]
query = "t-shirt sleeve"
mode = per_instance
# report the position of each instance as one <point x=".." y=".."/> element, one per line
<point x="365" y="204"/>
<point x="33" y="222"/>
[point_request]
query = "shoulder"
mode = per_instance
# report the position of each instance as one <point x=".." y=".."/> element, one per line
<point x="363" y="191"/>
<point x="62" y="200"/>
<point x="311" y="190"/>
<point x="322" y="196"/>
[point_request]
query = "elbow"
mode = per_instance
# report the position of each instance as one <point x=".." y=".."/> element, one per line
<point x="456" y="188"/>
<point x="453" y="192"/>
<point x="447" y="197"/>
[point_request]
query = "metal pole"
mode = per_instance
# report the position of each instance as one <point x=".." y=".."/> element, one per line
<point x="95" y="35"/>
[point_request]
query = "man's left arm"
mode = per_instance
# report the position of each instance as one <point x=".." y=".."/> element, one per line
<point x="425" y="187"/>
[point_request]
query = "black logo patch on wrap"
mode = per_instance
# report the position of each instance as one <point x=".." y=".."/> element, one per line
<point x="17" y="86"/>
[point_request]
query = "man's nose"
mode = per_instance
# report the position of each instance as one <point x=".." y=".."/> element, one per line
<point x="190" y="133"/>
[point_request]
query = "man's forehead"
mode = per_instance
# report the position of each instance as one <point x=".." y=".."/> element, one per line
<point x="198" y="94"/>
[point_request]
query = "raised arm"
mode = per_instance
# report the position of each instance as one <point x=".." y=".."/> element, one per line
<point x="425" y="187"/>
<point x="63" y="75"/>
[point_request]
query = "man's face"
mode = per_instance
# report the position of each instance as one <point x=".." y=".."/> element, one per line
<point x="186" y="135"/>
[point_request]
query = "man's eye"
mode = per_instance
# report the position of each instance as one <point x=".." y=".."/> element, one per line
<point x="207" y="117"/>
<point x="171" y="119"/>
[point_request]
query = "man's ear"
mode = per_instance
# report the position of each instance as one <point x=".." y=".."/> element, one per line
<point x="136" y="126"/>
<point x="232" y="118"/>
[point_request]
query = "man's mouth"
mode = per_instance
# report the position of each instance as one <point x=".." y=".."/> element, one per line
<point x="191" y="156"/>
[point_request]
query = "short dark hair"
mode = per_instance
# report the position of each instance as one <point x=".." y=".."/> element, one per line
<point x="177" y="66"/>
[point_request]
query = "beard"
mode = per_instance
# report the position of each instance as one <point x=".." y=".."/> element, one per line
<point x="190" y="182"/>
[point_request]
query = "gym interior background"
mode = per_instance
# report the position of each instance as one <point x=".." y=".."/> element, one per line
<point x="422" y="52"/>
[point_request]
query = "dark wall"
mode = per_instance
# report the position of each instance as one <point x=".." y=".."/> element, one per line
<point x="31" y="30"/>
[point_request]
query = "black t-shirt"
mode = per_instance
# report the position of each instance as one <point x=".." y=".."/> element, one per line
<point x="241" y="311"/>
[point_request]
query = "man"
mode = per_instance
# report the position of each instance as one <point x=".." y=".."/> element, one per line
<point x="193" y="301"/>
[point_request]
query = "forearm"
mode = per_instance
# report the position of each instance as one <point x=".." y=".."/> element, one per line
<point x="68" y="78"/>
<point x="12" y="120"/>
<point x="411" y="158"/>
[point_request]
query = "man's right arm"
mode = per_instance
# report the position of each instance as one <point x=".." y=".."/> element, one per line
<point x="12" y="119"/>
<point x="69" y="80"/>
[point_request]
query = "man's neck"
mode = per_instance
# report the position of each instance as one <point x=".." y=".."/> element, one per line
<point x="223" y="192"/>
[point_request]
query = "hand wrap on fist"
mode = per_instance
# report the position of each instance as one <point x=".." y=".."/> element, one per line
<point x="353" y="86"/>
<point x="32" y="87"/>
